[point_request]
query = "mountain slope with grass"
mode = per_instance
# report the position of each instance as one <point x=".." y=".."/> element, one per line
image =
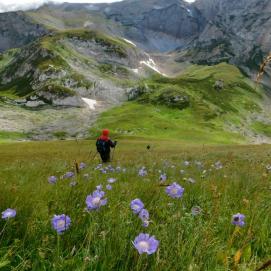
<point x="91" y="58"/>
<point x="205" y="104"/>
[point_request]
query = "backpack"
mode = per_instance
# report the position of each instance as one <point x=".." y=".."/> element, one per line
<point x="101" y="146"/>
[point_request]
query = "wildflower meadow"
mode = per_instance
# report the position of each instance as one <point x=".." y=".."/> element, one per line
<point x="168" y="207"/>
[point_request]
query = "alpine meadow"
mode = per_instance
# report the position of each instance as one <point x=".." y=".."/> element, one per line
<point x="135" y="135"/>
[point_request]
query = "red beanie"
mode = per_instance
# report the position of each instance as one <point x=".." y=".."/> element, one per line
<point x="105" y="132"/>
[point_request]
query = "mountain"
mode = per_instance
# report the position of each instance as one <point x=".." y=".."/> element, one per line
<point x="62" y="65"/>
<point x="18" y="29"/>
<point x="204" y="32"/>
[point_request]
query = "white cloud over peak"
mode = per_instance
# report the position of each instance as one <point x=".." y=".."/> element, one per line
<point x="14" y="5"/>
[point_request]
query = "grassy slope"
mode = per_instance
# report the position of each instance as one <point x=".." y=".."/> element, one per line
<point x="102" y="240"/>
<point x="59" y="54"/>
<point x="205" y="118"/>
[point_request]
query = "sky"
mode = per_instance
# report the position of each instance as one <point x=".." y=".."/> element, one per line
<point x="13" y="5"/>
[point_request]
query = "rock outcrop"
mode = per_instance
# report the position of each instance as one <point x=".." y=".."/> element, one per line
<point x="17" y="30"/>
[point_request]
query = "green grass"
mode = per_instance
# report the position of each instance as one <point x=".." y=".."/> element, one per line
<point x="134" y="119"/>
<point x="200" y="116"/>
<point x="102" y="240"/>
<point x="11" y="136"/>
<point x="53" y="54"/>
<point x="6" y="58"/>
<point x="262" y="128"/>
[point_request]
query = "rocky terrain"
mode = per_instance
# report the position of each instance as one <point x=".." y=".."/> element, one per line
<point x="17" y="30"/>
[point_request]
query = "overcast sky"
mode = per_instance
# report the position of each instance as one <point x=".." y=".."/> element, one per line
<point x="12" y="5"/>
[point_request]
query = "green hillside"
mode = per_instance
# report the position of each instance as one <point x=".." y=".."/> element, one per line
<point x="188" y="107"/>
<point x="57" y="59"/>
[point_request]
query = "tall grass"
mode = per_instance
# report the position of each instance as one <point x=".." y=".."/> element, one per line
<point x="102" y="240"/>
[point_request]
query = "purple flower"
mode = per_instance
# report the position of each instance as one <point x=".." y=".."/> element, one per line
<point x="144" y="215"/>
<point x="52" y="179"/>
<point x="95" y="200"/>
<point x="111" y="180"/>
<point x="82" y="165"/>
<point x="61" y="223"/>
<point x="175" y="190"/>
<point x="68" y="175"/>
<point x="163" y="177"/>
<point x="142" y="172"/>
<point x="110" y="168"/>
<point x="146" y="223"/>
<point x="99" y="187"/>
<point x="238" y="220"/>
<point x="109" y="187"/>
<point x="8" y="213"/>
<point x="144" y="243"/>
<point x="136" y="205"/>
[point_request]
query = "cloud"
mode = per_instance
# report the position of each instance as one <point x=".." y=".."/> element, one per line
<point x="14" y="5"/>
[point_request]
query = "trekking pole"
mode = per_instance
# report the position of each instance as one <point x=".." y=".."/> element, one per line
<point x="94" y="156"/>
<point x="112" y="158"/>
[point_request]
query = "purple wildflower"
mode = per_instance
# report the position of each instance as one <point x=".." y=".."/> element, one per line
<point x="99" y="166"/>
<point x="96" y="200"/>
<point x="144" y="243"/>
<point x="144" y="215"/>
<point x="111" y="180"/>
<point x="163" y="177"/>
<point x="146" y="223"/>
<point x="142" y="172"/>
<point x="99" y="187"/>
<point x="8" y="213"/>
<point x="175" y="190"/>
<point x="136" y="205"/>
<point x="109" y="187"/>
<point x="82" y="165"/>
<point x="61" y="223"/>
<point x="68" y="175"/>
<point x="238" y="220"/>
<point x="52" y="179"/>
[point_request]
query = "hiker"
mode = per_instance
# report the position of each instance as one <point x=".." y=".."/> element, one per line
<point x="103" y="144"/>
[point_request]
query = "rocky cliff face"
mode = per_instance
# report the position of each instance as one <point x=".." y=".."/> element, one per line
<point x="236" y="32"/>
<point x="158" y="25"/>
<point x="17" y="30"/>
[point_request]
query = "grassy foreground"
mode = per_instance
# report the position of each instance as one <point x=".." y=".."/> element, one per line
<point x="102" y="240"/>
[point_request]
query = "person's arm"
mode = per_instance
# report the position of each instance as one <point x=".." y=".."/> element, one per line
<point x="112" y="144"/>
